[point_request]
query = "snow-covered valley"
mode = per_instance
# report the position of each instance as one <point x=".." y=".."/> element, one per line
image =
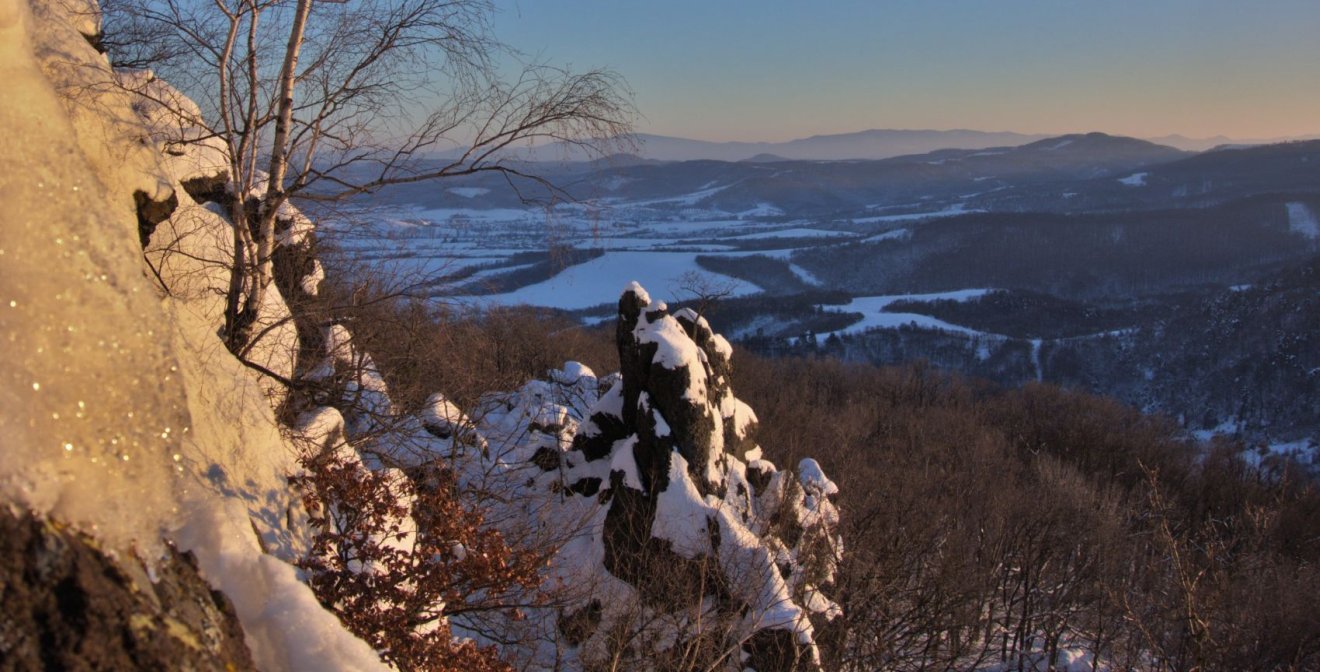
<point x="452" y="254"/>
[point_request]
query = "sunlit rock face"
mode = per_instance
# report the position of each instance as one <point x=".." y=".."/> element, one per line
<point x="90" y="400"/>
<point x="123" y="416"/>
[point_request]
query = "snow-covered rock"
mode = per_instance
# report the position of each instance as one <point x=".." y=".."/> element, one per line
<point x="92" y="405"/>
<point x="669" y="523"/>
<point x="692" y="532"/>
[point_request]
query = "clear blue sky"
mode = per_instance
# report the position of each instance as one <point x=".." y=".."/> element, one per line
<point x="781" y="69"/>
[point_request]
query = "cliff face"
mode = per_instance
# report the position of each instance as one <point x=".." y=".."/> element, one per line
<point x="123" y="414"/>
<point x="90" y="387"/>
<point x="93" y="409"/>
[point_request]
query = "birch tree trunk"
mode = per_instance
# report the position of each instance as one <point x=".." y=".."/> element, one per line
<point x="261" y="273"/>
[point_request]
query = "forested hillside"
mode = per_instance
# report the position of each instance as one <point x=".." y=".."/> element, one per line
<point x="988" y="528"/>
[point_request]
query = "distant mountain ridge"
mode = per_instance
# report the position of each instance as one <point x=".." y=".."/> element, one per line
<point x="872" y="144"/>
<point x="1219" y="141"/>
<point x="869" y="144"/>
<point x="861" y="145"/>
<point x="819" y="187"/>
<point x="1078" y="153"/>
<point x="1071" y="173"/>
<point x="889" y="143"/>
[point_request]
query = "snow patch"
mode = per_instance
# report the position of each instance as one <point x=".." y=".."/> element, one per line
<point x="896" y="234"/>
<point x="284" y="625"/>
<point x="1301" y="220"/>
<point x="468" y="192"/>
<point x="675" y="350"/>
<point x="311" y="283"/>
<point x="951" y="211"/>
<point x="806" y="276"/>
<point x="743" y="417"/>
<point x="792" y="233"/>
<point x="622" y="460"/>
<point x="590" y="283"/>
<point x="571" y="373"/>
<point x="813" y="478"/>
<point x="1134" y="180"/>
<point x="761" y="210"/>
<point x="681" y="515"/>
<point x="874" y="315"/>
<point x="637" y="289"/>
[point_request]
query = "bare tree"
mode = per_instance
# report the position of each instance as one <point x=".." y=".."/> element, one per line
<point x="326" y="99"/>
<point x="704" y="290"/>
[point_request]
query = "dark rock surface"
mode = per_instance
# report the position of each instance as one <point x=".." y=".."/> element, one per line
<point x="67" y="605"/>
<point x="152" y="212"/>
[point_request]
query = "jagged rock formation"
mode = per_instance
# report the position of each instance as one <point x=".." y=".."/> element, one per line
<point x="679" y="546"/>
<point x="697" y="526"/>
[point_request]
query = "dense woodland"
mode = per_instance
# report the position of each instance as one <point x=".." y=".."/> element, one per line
<point x="984" y="526"/>
<point x="1243" y="355"/>
<point x="1089" y="256"/>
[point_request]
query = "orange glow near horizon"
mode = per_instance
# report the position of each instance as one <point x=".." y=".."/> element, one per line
<point x="778" y="70"/>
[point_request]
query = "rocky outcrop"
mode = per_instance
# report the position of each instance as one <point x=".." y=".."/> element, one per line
<point x="678" y="546"/>
<point x="696" y="524"/>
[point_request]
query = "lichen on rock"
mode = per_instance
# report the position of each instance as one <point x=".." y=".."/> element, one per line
<point x="69" y="605"/>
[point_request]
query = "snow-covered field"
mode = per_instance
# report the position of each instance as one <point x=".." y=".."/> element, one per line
<point x="466" y="255"/>
<point x="439" y="248"/>
<point x="600" y="280"/>
<point x="874" y="316"/>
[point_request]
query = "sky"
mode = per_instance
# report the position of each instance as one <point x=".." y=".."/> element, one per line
<point x="774" y="70"/>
